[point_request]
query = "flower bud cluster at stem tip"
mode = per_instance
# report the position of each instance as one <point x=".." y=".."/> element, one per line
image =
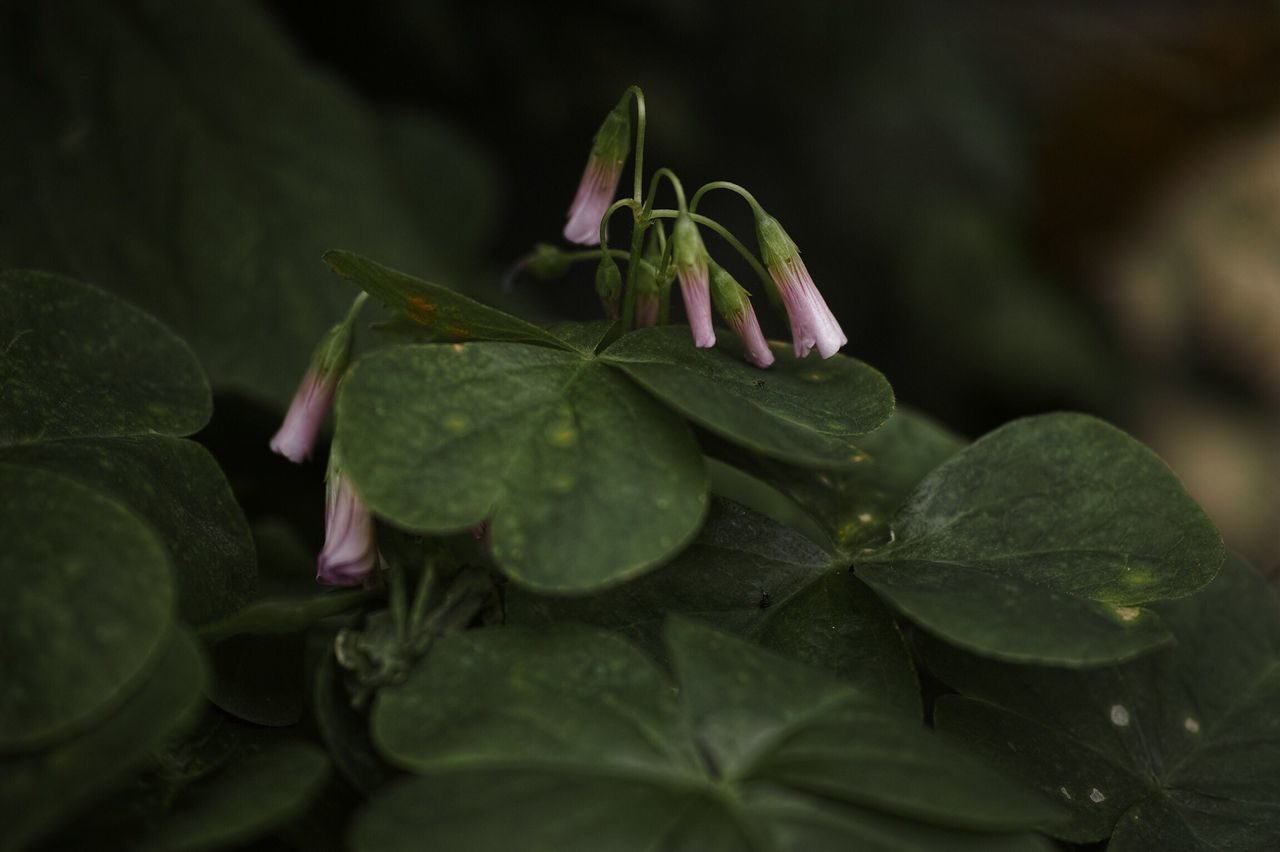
<point x="702" y="282"/>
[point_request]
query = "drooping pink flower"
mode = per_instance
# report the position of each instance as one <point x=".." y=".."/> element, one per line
<point x="812" y="323"/>
<point x="349" y="555"/>
<point x="691" y="263"/>
<point x="296" y="437"/>
<point x="596" y="192"/>
<point x="599" y="182"/>
<point x="733" y="303"/>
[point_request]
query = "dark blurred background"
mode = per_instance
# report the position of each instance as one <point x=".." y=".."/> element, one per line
<point x="1012" y="208"/>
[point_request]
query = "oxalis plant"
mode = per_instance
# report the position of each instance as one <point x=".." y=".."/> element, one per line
<point x="615" y="585"/>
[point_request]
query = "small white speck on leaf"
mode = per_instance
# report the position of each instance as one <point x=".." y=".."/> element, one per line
<point x="1119" y="715"/>
<point x="1192" y="726"/>
<point x="1066" y="794"/>
<point x="1097" y="796"/>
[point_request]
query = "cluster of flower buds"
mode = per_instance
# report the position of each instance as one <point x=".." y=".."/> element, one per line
<point x="349" y="555"/>
<point x="702" y="282"/>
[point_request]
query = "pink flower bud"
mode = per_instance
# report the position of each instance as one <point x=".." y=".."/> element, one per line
<point x="599" y="182"/>
<point x="297" y="435"/>
<point x="734" y="304"/>
<point x="596" y="191"/>
<point x="691" y="263"/>
<point x="812" y="323"/>
<point x="349" y="553"/>
<point x="314" y="397"/>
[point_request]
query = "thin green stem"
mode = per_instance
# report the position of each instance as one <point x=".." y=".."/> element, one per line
<point x="356" y="305"/>
<point x="675" y="184"/>
<point x="637" y="243"/>
<point x="421" y="597"/>
<point x="638" y="94"/>
<point x="596" y="254"/>
<point x="726" y="235"/>
<point x="614" y="208"/>
<point x="732" y="187"/>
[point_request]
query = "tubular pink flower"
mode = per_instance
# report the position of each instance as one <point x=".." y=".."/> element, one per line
<point x="596" y="191"/>
<point x="297" y="435"/>
<point x="697" y="304"/>
<point x="349" y="553"/>
<point x="812" y="323"/>
<point x="747" y="327"/>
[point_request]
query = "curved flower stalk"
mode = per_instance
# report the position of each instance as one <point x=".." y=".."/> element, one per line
<point x="349" y="554"/>
<point x="599" y="182"/>
<point x="296" y="438"/>
<point x="691" y="263"/>
<point x="733" y="303"/>
<point x="812" y="323"/>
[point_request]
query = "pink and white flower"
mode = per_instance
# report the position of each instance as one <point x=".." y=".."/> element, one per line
<point x="296" y="437"/>
<point x="596" y="192"/>
<point x="349" y="555"/>
<point x="691" y="264"/>
<point x="599" y="182"/>
<point x="734" y="304"/>
<point x="812" y="323"/>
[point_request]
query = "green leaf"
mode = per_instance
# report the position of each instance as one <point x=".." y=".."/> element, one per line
<point x="737" y="485"/>
<point x="188" y="160"/>
<point x="40" y="789"/>
<point x="577" y="724"/>
<point x="588" y="482"/>
<point x="1177" y="750"/>
<point x="445" y="314"/>
<point x="91" y="390"/>
<point x="1041" y="541"/>
<point x="78" y="363"/>
<point x="254" y="793"/>
<point x="806" y="411"/>
<point x="178" y="488"/>
<point x="87" y="608"/>
<point x="854" y="505"/>
<point x="751" y="576"/>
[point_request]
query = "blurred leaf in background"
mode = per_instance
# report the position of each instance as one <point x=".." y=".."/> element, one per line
<point x="184" y="157"/>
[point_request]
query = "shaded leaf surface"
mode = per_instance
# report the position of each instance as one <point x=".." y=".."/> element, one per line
<point x="803" y="410"/>
<point x="87" y="606"/>
<point x="76" y="362"/>
<point x="586" y="479"/>
<point x="1040" y="542"/>
<point x="1177" y="750"/>
<point x="751" y="576"/>
<point x="623" y="760"/>
<point x="186" y="159"/>
<point x="40" y="789"/>
<point x="855" y="504"/>
<point x="253" y="793"/>
<point x="177" y="488"/>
